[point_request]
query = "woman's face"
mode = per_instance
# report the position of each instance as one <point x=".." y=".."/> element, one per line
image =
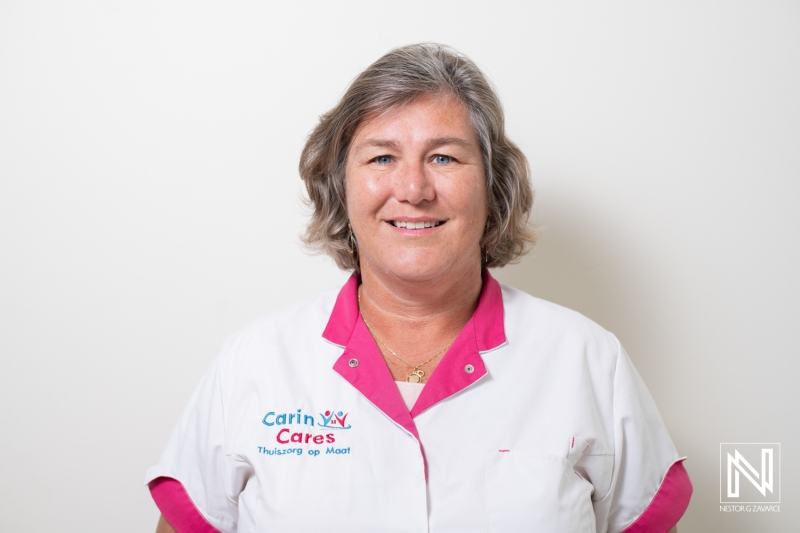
<point x="416" y="192"/>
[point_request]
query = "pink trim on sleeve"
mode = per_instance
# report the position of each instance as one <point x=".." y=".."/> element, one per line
<point x="668" y="504"/>
<point x="177" y="507"/>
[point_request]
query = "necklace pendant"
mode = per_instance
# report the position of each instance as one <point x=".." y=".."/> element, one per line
<point x="413" y="378"/>
<point x="416" y="376"/>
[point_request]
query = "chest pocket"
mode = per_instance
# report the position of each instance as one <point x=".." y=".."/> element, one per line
<point x="539" y="492"/>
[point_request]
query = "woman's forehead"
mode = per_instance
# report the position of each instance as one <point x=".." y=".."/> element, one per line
<point x="429" y="119"/>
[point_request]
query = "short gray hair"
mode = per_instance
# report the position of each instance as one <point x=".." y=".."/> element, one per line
<point x="397" y="79"/>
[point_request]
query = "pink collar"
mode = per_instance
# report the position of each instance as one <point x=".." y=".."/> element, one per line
<point x="363" y="366"/>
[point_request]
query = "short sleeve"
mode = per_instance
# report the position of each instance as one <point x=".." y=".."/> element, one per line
<point x="650" y="489"/>
<point x="196" y="482"/>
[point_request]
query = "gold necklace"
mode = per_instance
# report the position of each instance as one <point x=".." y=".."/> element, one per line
<point x="417" y="374"/>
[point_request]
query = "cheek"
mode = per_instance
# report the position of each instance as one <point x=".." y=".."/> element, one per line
<point x="473" y="201"/>
<point x="363" y="191"/>
<point x="354" y="195"/>
<point x="480" y="209"/>
<point x="479" y="213"/>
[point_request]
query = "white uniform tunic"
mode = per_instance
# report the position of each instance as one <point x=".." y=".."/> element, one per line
<point x="534" y="420"/>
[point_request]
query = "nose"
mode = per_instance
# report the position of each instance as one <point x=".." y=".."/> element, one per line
<point x="414" y="184"/>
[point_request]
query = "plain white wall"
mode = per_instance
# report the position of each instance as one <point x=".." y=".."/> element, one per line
<point x="150" y="206"/>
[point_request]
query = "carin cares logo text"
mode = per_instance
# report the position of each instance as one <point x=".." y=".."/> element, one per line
<point x="328" y="420"/>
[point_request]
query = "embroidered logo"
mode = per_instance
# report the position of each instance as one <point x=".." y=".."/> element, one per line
<point x="316" y="431"/>
<point x="334" y="420"/>
<point x="330" y="419"/>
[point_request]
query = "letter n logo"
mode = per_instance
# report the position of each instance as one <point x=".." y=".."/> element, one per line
<point x="749" y="472"/>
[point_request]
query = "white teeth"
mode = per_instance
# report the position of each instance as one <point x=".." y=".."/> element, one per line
<point x="414" y="225"/>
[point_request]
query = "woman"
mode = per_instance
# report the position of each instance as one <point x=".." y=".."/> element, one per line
<point x="422" y="396"/>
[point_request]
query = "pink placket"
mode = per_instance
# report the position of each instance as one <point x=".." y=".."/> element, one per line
<point x="363" y="366"/>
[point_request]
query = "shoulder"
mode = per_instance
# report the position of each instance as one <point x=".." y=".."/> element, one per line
<point x="526" y="313"/>
<point x="566" y="342"/>
<point x="293" y="324"/>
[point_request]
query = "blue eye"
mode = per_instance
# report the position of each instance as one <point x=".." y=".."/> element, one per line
<point x="441" y="159"/>
<point x="383" y="159"/>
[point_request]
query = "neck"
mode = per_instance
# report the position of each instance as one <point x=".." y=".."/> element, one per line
<point x="434" y="310"/>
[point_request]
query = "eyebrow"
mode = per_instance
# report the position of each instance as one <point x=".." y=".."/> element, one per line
<point x="442" y="141"/>
<point x="376" y="143"/>
<point x="431" y="144"/>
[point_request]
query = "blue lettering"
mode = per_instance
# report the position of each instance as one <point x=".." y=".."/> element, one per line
<point x="276" y="451"/>
<point x="281" y="419"/>
<point x="338" y="451"/>
<point x="265" y="419"/>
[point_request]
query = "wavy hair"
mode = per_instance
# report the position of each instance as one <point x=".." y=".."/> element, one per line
<point x="397" y="79"/>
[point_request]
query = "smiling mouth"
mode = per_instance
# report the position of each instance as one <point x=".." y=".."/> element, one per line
<point x="416" y="225"/>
